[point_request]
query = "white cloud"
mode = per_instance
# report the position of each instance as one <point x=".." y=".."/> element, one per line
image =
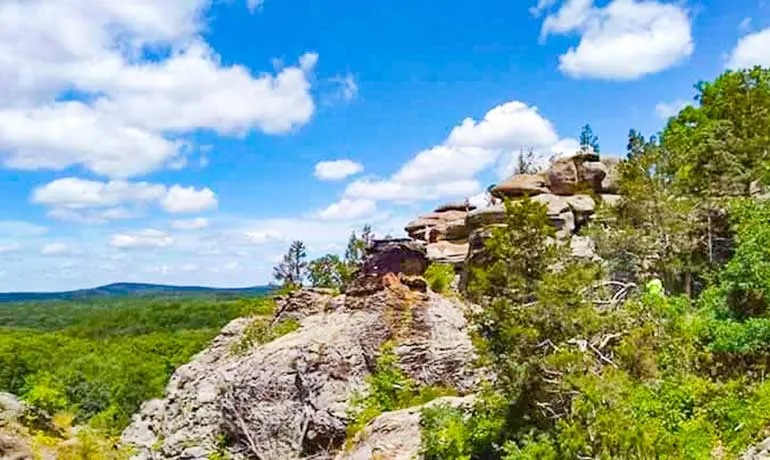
<point x="666" y="110"/>
<point x="136" y="109"/>
<point x="87" y="201"/>
<point x="337" y="169"/>
<point x="625" y="40"/>
<point x="148" y="238"/>
<point x="348" y="210"/>
<point x="263" y="236"/>
<point x="190" y="224"/>
<point x="188" y="199"/>
<point x="449" y="169"/>
<point x="254" y="5"/>
<point x="55" y="249"/>
<point x="751" y="50"/>
<point x="75" y="193"/>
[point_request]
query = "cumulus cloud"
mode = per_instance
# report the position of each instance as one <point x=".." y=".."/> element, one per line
<point x="148" y="238"/>
<point x="666" y="110"/>
<point x="751" y="50"/>
<point x="75" y="193"/>
<point x="448" y="170"/>
<point x="624" y="40"/>
<point x="348" y="210"/>
<point x="135" y="110"/>
<point x="19" y="228"/>
<point x="180" y="200"/>
<point x="88" y="201"/>
<point x="190" y="224"/>
<point x="337" y="169"/>
<point x="55" y="249"/>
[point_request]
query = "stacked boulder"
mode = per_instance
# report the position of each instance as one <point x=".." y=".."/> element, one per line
<point x="445" y="232"/>
<point x="570" y="189"/>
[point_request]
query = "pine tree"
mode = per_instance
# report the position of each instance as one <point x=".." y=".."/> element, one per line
<point x="291" y="271"/>
<point x="588" y="141"/>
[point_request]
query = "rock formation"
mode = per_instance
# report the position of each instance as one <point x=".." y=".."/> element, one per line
<point x="569" y="188"/>
<point x="289" y="398"/>
<point x="395" y="435"/>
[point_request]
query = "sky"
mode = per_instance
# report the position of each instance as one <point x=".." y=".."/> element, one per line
<point x="190" y="141"/>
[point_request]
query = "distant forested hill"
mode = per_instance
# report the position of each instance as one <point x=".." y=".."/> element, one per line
<point x="131" y="289"/>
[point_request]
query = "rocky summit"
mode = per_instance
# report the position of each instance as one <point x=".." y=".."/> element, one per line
<point x="289" y="398"/>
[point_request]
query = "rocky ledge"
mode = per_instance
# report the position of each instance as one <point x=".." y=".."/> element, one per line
<point x="289" y="398"/>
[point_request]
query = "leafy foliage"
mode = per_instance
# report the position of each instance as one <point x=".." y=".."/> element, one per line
<point x="328" y="272"/>
<point x="99" y="361"/>
<point x="440" y="277"/>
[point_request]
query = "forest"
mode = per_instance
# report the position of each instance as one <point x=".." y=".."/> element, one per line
<point x="97" y="360"/>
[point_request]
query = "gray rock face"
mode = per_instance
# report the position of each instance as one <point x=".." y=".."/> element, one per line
<point x="395" y="435"/>
<point x="289" y="398"/>
<point x="759" y="452"/>
<point x="11" y="408"/>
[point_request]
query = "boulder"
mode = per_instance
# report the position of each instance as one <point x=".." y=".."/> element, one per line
<point x="486" y="216"/>
<point x="581" y="204"/>
<point x="395" y="256"/>
<point x="437" y="226"/>
<point x="592" y="173"/>
<point x="611" y="181"/>
<point x="445" y="252"/>
<point x="456" y="230"/>
<point x="555" y="204"/>
<point x="564" y="223"/>
<point x="582" y="247"/>
<point x="11" y="407"/>
<point x="562" y="177"/>
<point x="458" y="206"/>
<point x="289" y="398"/>
<point x="760" y="451"/>
<point x="396" y="435"/>
<point x="520" y="185"/>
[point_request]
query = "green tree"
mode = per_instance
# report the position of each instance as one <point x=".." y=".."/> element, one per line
<point x="328" y="272"/>
<point x="723" y="145"/>
<point x="588" y="141"/>
<point x="291" y="271"/>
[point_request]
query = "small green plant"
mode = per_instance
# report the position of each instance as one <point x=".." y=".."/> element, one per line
<point x="261" y="331"/>
<point x="388" y="389"/>
<point x="221" y="452"/>
<point x="440" y="277"/>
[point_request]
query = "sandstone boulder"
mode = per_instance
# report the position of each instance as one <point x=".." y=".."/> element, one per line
<point x="486" y="216"/>
<point x="395" y="435"/>
<point x="592" y="174"/>
<point x="289" y="398"/>
<point x="581" y="204"/>
<point x="562" y="177"/>
<point x="611" y="181"/>
<point x="446" y="252"/>
<point x="555" y="204"/>
<point x="582" y="247"/>
<point x="520" y="185"/>
<point x="458" y="206"/>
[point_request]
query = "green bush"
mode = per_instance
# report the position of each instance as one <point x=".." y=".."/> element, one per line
<point x="440" y="277"/>
<point x="261" y="330"/>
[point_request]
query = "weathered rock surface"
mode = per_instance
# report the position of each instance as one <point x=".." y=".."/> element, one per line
<point x="395" y="435"/>
<point x="555" y="204"/>
<point x="459" y="206"/>
<point x="611" y="182"/>
<point x="760" y="451"/>
<point x="446" y="252"/>
<point x="289" y="398"/>
<point x="562" y="177"/>
<point x="520" y="185"/>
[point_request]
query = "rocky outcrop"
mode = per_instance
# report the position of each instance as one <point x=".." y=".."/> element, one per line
<point x="521" y="185"/>
<point x="445" y="233"/>
<point x="395" y="435"/>
<point x="760" y="451"/>
<point x="289" y="398"/>
<point x="14" y="438"/>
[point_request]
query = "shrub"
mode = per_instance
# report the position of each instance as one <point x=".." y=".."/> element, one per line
<point x="440" y="277"/>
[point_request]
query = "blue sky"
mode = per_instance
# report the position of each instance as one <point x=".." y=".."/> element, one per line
<point x="188" y="141"/>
